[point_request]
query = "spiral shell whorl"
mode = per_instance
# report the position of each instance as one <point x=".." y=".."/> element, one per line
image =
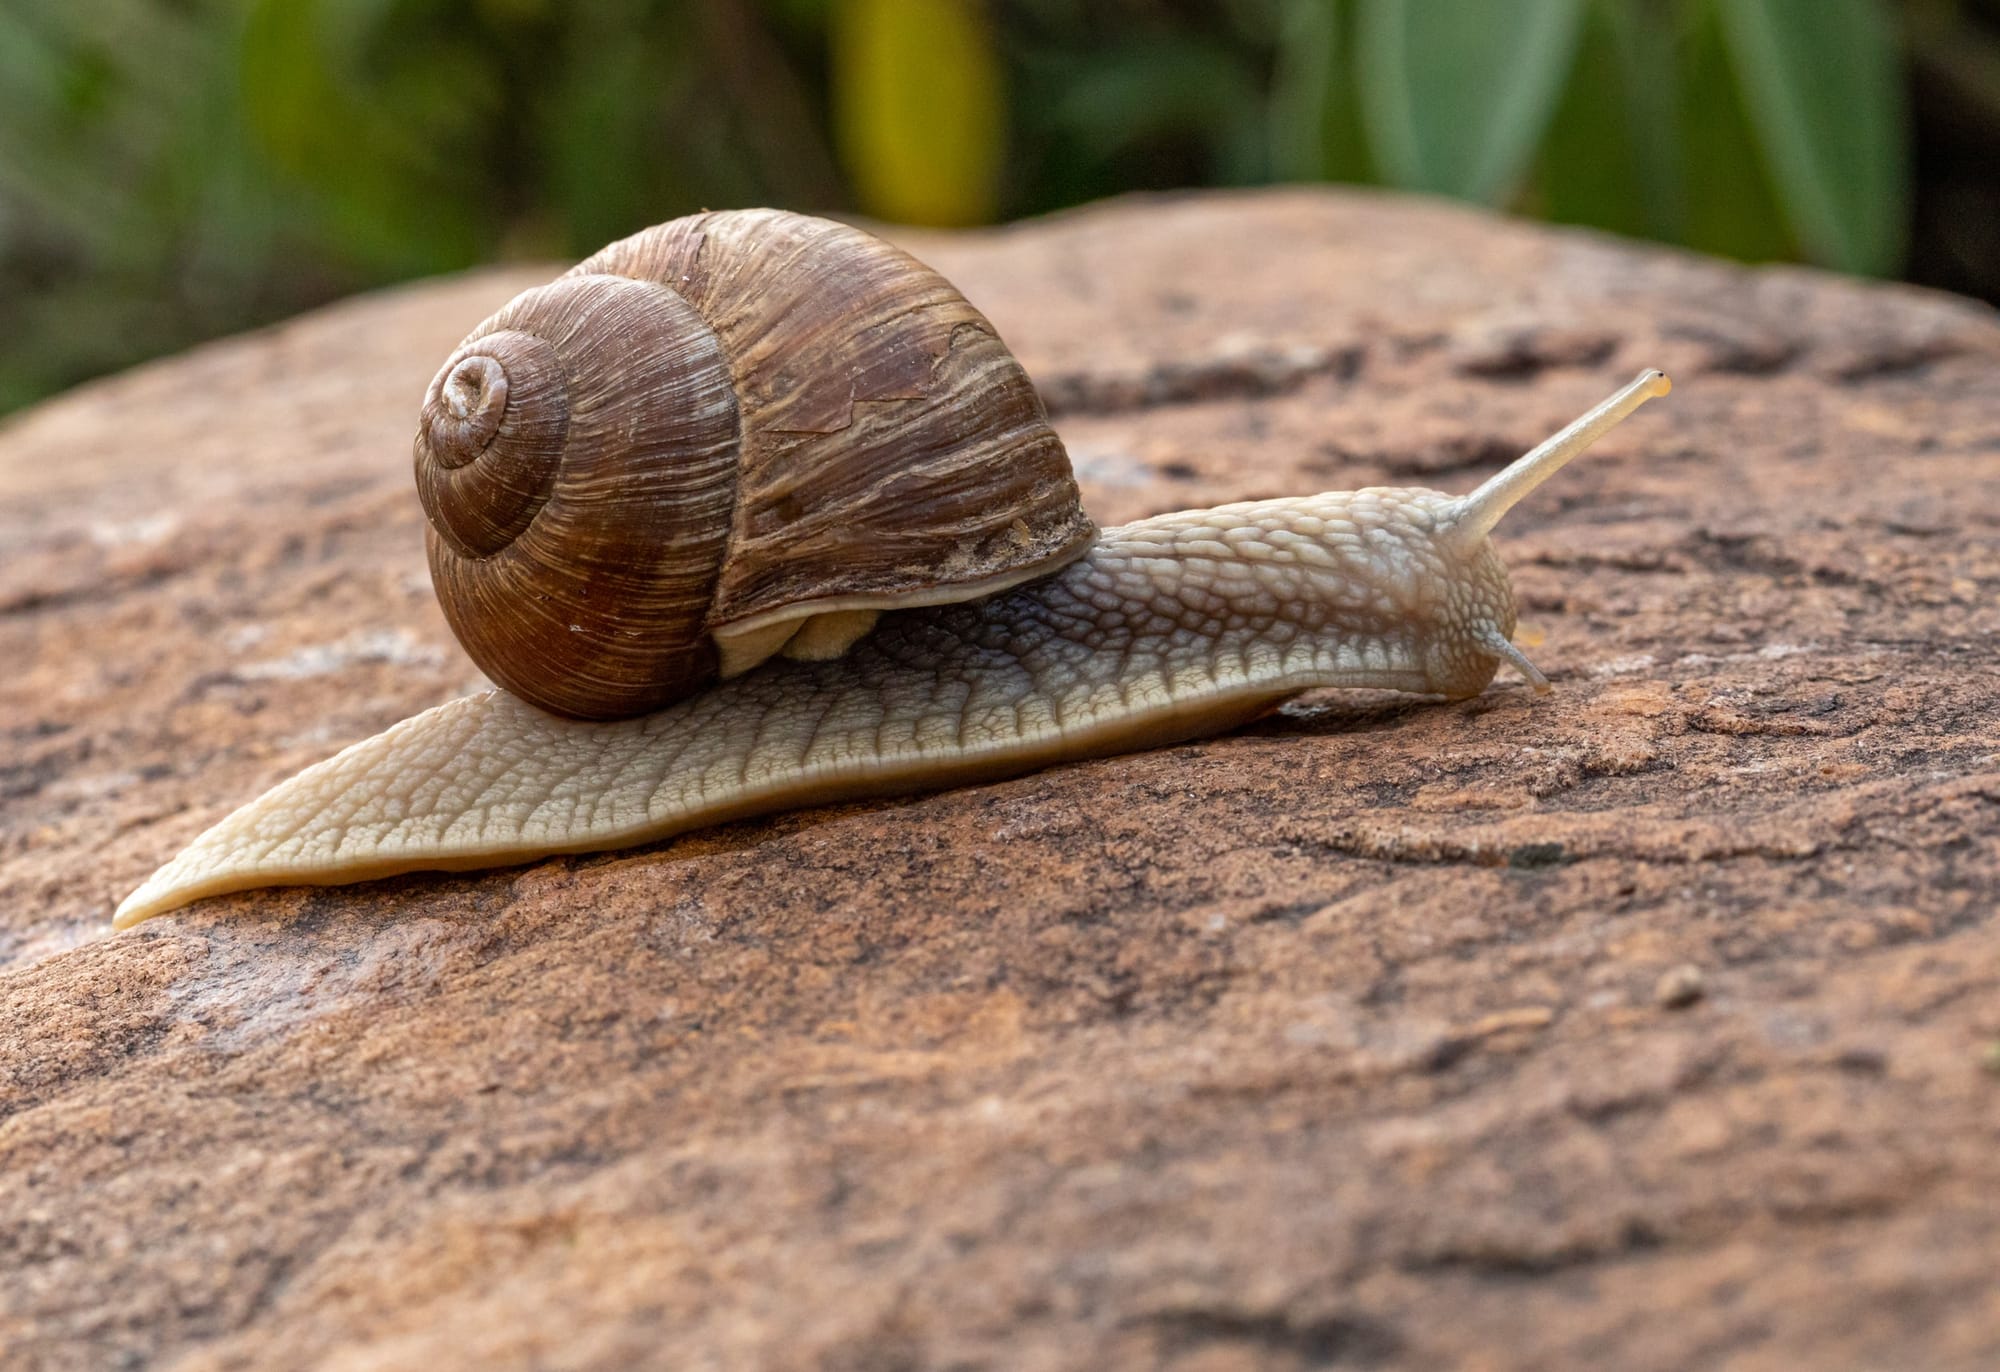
<point x="576" y="457"/>
<point x="490" y="443"/>
<point x="464" y="409"/>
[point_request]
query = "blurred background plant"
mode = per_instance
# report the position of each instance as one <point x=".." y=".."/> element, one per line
<point x="175" y="169"/>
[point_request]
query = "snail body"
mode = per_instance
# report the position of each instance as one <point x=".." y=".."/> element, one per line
<point x="1166" y="629"/>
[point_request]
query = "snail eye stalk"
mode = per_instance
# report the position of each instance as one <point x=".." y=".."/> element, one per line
<point x="1477" y="513"/>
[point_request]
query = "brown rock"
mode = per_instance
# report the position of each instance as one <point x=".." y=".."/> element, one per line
<point x="1326" y="1043"/>
<point x="1679" y="987"/>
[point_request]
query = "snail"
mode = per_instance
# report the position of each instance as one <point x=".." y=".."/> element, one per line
<point x="878" y="574"/>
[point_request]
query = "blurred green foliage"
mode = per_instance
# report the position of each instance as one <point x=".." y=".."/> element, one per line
<point x="175" y="169"/>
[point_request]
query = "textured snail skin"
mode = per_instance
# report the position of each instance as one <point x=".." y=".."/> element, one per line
<point x="1168" y="629"/>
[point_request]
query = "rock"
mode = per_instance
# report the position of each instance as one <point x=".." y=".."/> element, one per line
<point x="1679" y="987"/>
<point x="1332" y="1041"/>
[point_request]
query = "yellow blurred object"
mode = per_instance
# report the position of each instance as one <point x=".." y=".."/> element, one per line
<point x="918" y="108"/>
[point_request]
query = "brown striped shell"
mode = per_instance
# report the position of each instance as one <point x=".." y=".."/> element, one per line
<point x="727" y="436"/>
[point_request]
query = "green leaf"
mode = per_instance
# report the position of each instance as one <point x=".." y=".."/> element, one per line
<point x="1821" y="81"/>
<point x="1307" y="49"/>
<point x="593" y="116"/>
<point x="1314" y="120"/>
<point x="1611" y="157"/>
<point x="1150" y="88"/>
<point x="918" y="108"/>
<point x="1456" y="93"/>
<point x="386" y="147"/>
<point x="1731" y="206"/>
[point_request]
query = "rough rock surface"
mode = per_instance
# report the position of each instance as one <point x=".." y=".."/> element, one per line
<point x="1654" y="1024"/>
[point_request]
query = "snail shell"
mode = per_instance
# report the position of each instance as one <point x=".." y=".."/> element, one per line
<point x="727" y="436"/>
